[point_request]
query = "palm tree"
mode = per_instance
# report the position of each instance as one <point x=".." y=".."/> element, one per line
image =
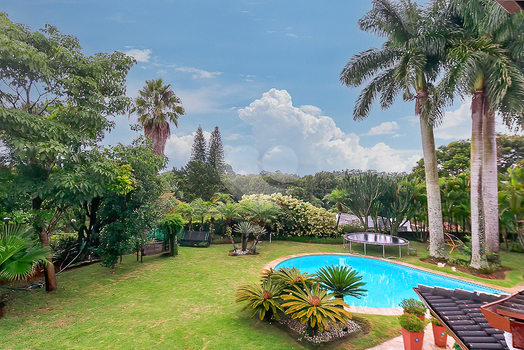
<point x="484" y="63"/>
<point x="20" y="254"/>
<point x="228" y="211"/>
<point x="338" y="198"/>
<point x="408" y="62"/>
<point x="156" y="106"/>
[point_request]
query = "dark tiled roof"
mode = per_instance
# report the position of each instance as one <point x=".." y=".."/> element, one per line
<point x="513" y="306"/>
<point x="460" y="311"/>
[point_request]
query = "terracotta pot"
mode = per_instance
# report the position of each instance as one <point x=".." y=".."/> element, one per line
<point x="439" y="333"/>
<point x="412" y="341"/>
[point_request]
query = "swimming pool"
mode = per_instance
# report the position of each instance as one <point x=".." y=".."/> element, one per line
<point x="387" y="283"/>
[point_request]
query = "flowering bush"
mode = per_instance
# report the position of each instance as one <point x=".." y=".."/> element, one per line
<point x="299" y="218"/>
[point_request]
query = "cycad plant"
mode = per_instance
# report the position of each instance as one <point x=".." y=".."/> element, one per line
<point x="245" y="229"/>
<point x="287" y="277"/>
<point x="315" y="307"/>
<point x="20" y="253"/>
<point x="262" y="299"/>
<point x="342" y="281"/>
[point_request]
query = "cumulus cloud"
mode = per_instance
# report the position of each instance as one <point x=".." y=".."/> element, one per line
<point x="198" y="73"/>
<point x="384" y="128"/>
<point x="140" y="55"/>
<point x="456" y="124"/>
<point x="178" y="148"/>
<point x="290" y="137"/>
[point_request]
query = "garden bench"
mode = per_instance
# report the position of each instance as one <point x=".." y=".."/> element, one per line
<point x="195" y="239"/>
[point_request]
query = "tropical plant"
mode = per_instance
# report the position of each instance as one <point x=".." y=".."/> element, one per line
<point x="156" y="106"/>
<point x="228" y="211"/>
<point x="245" y="229"/>
<point x="262" y="299"/>
<point x="408" y="63"/>
<point x="411" y="323"/>
<point x="201" y="210"/>
<point x="199" y="150"/>
<point x="315" y="308"/>
<point x="287" y="277"/>
<point x="20" y="254"/>
<point x="413" y="307"/>
<point x="485" y="62"/>
<point x="342" y="281"/>
<point x="171" y="226"/>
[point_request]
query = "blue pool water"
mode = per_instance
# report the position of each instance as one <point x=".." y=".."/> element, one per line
<point x="387" y="283"/>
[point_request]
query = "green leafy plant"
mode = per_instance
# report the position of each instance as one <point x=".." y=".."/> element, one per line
<point x="435" y="321"/>
<point x="342" y="281"/>
<point x="287" y="277"/>
<point x="20" y="254"/>
<point x="411" y="323"/>
<point x="262" y="299"/>
<point x="413" y="307"/>
<point x="171" y="226"/>
<point x="315" y="308"/>
<point x="245" y="229"/>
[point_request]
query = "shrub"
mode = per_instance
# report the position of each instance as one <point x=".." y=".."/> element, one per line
<point x="299" y="218"/>
<point x="262" y="299"/>
<point x="435" y="321"/>
<point x="315" y="308"/>
<point x="286" y="277"/>
<point x="342" y="281"/>
<point x="411" y="323"/>
<point x="64" y="247"/>
<point x="413" y="307"/>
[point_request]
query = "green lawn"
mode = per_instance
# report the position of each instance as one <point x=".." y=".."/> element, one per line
<point x="165" y="303"/>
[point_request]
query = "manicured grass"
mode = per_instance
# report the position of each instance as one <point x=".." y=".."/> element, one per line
<point x="165" y="303"/>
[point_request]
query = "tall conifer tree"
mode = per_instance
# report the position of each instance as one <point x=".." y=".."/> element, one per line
<point x="199" y="149"/>
<point x="216" y="151"/>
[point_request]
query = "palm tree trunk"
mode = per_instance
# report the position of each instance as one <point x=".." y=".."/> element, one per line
<point x="489" y="181"/>
<point x="436" y="228"/>
<point x="478" y="238"/>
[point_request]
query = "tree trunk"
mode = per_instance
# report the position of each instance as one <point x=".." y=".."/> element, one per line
<point x="159" y="137"/>
<point x="478" y="238"/>
<point x="490" y="181"/>
<point x="436" y="228"/>
<point x="43" y="234"/>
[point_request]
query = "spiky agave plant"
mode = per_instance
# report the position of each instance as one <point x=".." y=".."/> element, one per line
<point x="315" y="307"/>
<point x="287" y="277"/>
<point x="342" y="281"/>
<point x="20" y="254"/>
<point x="262" y="299"/>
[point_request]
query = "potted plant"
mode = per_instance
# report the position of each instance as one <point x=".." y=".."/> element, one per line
<point x="414" y="307"/>
<point x="439" y="332"/>
<point x="412" y="331"/>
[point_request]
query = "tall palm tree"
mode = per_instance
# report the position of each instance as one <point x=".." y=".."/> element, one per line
<point x="484" y="63"/>
<point x="408" y="62"/>
<point x="156" y="106"/>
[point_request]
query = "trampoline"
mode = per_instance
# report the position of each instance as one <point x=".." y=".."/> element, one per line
<point x="375" y="239"/>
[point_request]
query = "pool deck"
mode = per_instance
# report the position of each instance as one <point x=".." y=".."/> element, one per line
<point x="398" y="343"/>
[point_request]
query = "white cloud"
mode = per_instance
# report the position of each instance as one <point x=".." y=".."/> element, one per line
<point x="293" y="35"/>
<point x="140" y="55"/>
<point x="286" y="135"/>
<point x="233" y="137"/>
<point x="384" y="128"/>
<point x="399" y="135"/>
<point x="198" y="73"/>
<point x="178" y="148"/>
<point x="243" y="159"/>
<point x="456" y="124"/>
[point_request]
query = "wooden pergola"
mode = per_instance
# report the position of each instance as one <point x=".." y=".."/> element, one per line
<point x="512" y="6"/>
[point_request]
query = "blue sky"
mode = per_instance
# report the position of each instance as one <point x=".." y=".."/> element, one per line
<point x="265" y="72"/>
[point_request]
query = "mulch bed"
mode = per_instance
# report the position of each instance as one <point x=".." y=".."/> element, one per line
<point x="498" y="274"/>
